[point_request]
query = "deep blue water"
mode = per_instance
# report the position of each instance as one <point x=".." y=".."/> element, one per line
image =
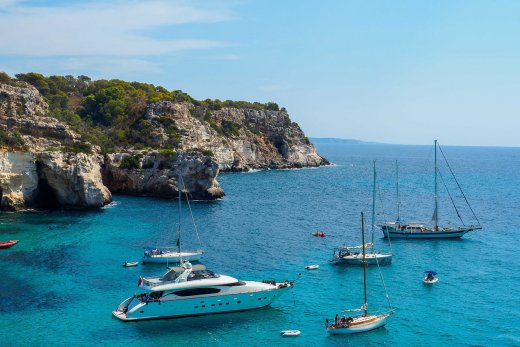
<point x="61" y="282"/>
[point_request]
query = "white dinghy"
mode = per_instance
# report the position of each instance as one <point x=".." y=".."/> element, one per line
<point x="290" y="333"/>
<point x="130" y="264"/>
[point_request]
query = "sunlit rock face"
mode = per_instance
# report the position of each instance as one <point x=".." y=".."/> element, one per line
<point x="259" y="139"/>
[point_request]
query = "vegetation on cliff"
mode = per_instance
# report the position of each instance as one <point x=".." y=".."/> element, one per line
<point x="109" y="113"/>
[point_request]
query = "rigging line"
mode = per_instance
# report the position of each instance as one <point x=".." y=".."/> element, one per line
<point x="458" y="185"/>
<point x="384" y="216"/>
<point x="451" y="198"/>
<point x="384" y="284"/>
<point x="191" y="213"/>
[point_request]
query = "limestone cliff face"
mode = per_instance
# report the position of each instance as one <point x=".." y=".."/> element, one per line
<point x="74" y="180"/>
<point x="258" y="138"/>
<point x="22" y="109"/>
<point x="37" y="168"/>
<point x="30" y="176"/>
<point x="18" y="180"/>
<point x="157" y="175"/>
<point x="50" y="179"/>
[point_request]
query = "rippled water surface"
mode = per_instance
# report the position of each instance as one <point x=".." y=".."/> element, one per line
<point x="61" y="282"/>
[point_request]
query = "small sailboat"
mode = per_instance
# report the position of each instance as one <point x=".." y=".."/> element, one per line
<point x="165" y="255"/>
<point x="423" y="231"/>
<point x="8" y="244"/>
<point x="352" y="254"/>
<point x="430" y="277"/>
<point x="364" y="322"/>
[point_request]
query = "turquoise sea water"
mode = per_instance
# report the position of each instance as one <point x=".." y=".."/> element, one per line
<point x="61" y="282"/>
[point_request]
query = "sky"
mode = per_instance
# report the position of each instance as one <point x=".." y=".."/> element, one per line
<point x="404" y="72"/>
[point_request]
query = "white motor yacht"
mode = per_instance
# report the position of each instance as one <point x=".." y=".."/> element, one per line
<point x="192" y="290"/>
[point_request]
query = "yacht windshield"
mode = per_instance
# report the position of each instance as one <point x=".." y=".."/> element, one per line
<point x="201" y="274"/>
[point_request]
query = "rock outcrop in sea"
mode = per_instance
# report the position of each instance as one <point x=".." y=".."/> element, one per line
<point x="45" y="163"/>
<point x="157" y="174"/>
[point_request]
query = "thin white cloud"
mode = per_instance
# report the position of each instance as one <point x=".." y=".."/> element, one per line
<point x="109" y="29"/>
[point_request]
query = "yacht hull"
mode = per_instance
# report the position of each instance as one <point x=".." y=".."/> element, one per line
<point x="427" y="234"/>
<point x="197" y="306"/>
<point x="382" y="259"/>
<point x="371" y="323"/>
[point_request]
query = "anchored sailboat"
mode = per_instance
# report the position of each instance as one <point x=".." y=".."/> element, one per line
<point x="422" y="231"/>
<point x="169" y="254"/>
<point x="352" y="255"/>
<point x="364" y="322"/>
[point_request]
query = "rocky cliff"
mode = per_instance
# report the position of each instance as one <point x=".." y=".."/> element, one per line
<point x="84" y="139"/>
<point x="40" y="165"/>
<point x="238" y="139"/>
<point x="33" y="172"/>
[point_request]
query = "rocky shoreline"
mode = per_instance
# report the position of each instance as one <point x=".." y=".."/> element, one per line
<point x="45" y="164"/>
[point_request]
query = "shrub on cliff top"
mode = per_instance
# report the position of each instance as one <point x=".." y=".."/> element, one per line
<point x="5" y="79"/>
<point x="107" y="113"/>
<point x="205" y="152"/>
<point x="130" y="162"/>
<point x="167" y="151"/>
<point x="230" y="129"/>
<point x="14" y="139"/>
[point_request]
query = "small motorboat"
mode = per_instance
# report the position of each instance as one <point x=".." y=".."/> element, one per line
<point x="130" y="264"/>
<point x="8" y="244"/>
<point x="430" y="277"/>
<point x="290" y="333"/>
<point x="312" y="267"/>
<point x="318" y="234"/>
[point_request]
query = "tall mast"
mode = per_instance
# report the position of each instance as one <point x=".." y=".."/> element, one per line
<point x="435" y="212"/>
<point x="364" y="264"/>
<point x="397" y="187"/>
<point x="179" y="188"/>
<point x="374" y="202"/>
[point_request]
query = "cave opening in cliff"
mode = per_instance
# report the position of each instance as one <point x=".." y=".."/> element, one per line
<point x="45" y="197"/>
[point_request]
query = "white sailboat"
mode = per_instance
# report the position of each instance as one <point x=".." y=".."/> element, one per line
<point x="422" y="231"/>
<point x="364" y="322"/>
<point x="351" y="254"/>
<point x="168" y="254"/>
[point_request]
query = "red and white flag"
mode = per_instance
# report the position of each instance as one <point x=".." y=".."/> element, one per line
<point x="140" y="282"/>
